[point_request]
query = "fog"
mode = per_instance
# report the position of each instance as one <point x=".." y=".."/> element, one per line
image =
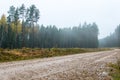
<point x="68" y="13"/>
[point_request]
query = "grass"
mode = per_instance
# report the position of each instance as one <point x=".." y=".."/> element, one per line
<point x="29" y="53"/>
<point x="115" y="70"/>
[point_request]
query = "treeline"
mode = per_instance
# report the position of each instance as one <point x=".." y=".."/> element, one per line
<point x="20" y="29"/>
<point x="113" y="40"/>
<point x="79" y="36"/>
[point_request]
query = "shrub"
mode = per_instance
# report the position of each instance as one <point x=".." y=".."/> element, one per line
<point x="115" y="71"/>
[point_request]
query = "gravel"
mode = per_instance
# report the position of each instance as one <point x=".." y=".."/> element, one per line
<point x="87" y="66"/>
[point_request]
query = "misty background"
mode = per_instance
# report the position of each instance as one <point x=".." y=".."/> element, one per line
<point x="68" y="13"/>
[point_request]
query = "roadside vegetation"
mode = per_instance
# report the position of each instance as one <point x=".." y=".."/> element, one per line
<point x="30" y="53"/>
<point x="115" y="70"/>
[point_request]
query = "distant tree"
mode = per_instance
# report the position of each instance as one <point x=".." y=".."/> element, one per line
<point x="16" y="17"/>
<point x="113" y="40"/>
<point x="94" y="35"/>
<point x="22" y="15"/>
<point x="21" y="29"/>
<point x="11" y="13"/>
<point x="117" y="32"/>
<point x="3" y="30"/>
<point x="33" y="16"/>
<point x="3" y="20"/>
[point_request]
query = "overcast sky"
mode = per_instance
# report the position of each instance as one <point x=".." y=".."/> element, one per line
<point x="68" y="13"/>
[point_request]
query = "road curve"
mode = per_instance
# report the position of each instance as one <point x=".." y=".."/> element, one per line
<point x="87" y="66"/>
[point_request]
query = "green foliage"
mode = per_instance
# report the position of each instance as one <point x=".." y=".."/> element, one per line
<point x="77" y="36"/>
<point x="21" y="30"/>
<point x="113" y="40"/>
<point x="115" y="71"/>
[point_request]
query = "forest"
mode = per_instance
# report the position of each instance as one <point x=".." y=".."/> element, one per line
<point x="21" y="29"/>
<point x="113" y="40"/>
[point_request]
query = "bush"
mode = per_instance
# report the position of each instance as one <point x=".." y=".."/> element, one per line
<point x="115" y="71"/>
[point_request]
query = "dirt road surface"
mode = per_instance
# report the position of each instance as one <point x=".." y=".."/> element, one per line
<point x="87" y="66"/>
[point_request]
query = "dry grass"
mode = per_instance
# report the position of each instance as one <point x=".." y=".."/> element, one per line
<point x="115" y="70"/>
<point x="29" y="53"/>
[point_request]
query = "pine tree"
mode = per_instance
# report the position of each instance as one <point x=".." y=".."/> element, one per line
<point x="22" y="15"/>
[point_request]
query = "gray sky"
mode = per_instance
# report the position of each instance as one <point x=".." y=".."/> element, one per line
<point x="68" y="13"/>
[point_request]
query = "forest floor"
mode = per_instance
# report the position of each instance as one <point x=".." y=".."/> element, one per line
<point x="87" y="66"/>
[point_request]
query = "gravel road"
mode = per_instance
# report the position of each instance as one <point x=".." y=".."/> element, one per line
<point x="87" y="66"/>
